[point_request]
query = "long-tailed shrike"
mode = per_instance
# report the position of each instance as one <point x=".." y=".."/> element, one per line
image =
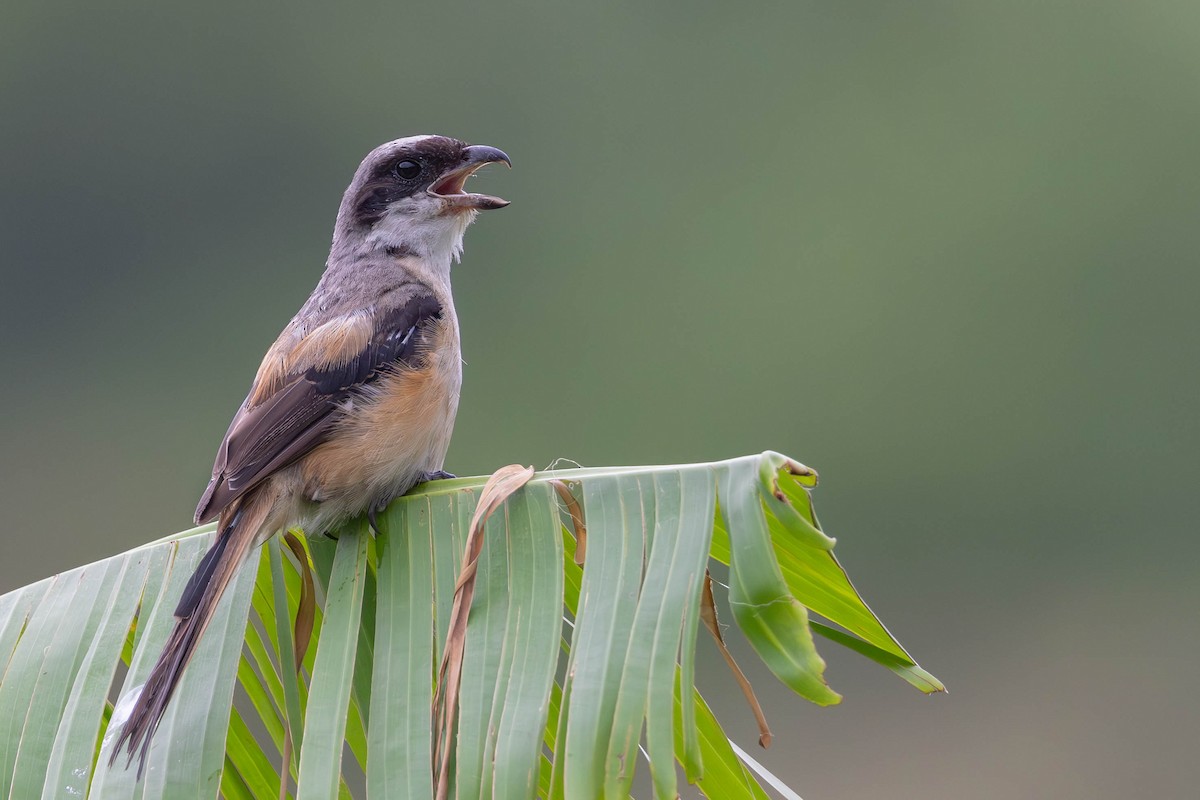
<point x="354" y="403"/>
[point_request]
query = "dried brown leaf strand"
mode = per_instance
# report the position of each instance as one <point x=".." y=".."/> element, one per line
<point x="708" y="613"/>
<point x="576" y="519"/>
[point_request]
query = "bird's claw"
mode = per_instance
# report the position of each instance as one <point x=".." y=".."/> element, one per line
<point x="373" y="511"/>
<point x="372" y="516"/>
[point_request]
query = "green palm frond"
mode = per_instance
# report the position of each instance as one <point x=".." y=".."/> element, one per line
<point x="568" y="677"/>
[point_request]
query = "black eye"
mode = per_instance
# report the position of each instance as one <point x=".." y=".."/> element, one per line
<point x="408" y="170"/>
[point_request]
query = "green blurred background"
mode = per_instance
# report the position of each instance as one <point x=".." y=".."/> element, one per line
<point x="944" y="252"/>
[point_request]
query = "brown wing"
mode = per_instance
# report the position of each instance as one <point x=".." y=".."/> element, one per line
<point x="293" y="401"/>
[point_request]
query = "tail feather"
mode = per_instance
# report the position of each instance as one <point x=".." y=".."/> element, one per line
<point x="235" y="540"/>
<point x="193" y="593"/>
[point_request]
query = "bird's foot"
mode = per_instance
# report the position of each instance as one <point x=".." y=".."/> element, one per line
<point x="378" y="506"/>
<point x="372" y="515"/>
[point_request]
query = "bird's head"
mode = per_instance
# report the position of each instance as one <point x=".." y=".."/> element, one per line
<point x="408" y="195"/>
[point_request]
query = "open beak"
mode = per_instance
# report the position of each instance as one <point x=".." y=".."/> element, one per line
<point x="449" y="187"/>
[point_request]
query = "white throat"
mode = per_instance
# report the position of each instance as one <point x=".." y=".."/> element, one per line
<point x="435" y="238"/>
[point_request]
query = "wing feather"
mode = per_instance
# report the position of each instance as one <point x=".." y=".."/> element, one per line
<point x="300" y="388"/>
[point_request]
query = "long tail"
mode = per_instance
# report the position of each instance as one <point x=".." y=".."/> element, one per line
<point x="236" y="536"/>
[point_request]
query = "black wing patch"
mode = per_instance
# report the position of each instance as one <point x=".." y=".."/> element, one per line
<point x="296" y="418"/>
<point x="395" y="340"/>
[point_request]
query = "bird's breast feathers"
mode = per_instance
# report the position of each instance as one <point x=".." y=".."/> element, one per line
<point x="391" y="431"/>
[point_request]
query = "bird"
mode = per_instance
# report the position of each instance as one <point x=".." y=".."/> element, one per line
<point x="354" y="403"/>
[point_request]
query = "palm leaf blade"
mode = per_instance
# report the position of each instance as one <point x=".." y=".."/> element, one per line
<point x="607" y="603"/>
<point x="535" y="627"/>
<point x="685" y="509"/>
<point x="329" y="698"/>
<point x="487" y="661"/>
<point x="403" y="674"/>
<point x="69" y="770"/>
<point x="774" y="622"/>
<point x="189" y="759"/>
